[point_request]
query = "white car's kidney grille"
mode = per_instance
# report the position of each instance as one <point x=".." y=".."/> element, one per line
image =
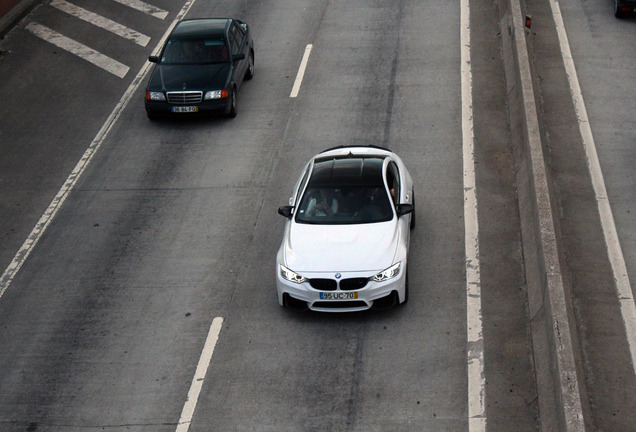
<point x="353" y="284"/>
<point x="345" y="284"/>
<point x="185" y="97"/>
<point x="323" y="284"/>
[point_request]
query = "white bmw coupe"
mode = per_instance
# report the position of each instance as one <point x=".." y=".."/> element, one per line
<point x="346" y="240"/>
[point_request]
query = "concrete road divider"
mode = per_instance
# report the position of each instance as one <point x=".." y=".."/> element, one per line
<point x="549" y="306"/>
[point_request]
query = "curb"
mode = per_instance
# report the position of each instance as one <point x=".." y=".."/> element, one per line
<point x="549" y="308"/>
<point x="8" y="21"/>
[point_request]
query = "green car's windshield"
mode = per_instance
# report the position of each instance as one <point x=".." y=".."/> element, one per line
<point x="195" y="51"/>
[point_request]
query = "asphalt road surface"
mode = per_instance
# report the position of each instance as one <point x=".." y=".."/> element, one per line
<point x="172" y="229"/>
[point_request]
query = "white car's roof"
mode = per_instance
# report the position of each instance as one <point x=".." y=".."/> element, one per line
<point x="355" y="150"/>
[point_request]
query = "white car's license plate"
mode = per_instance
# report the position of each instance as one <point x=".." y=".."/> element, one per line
<point x="339" y="295"/>
<point x="185" y="109"/>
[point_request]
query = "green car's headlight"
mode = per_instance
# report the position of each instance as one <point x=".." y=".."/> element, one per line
<point x="155" y="96"/>
<point x="216" y="94"/>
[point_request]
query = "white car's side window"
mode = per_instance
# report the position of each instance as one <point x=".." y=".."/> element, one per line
<point x="393" y="182"/>
<point x="300" y="186"/>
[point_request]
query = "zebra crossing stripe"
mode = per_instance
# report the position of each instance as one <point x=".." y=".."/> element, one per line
<point x="80" y="50"/>
<point x="145" y="8"/>
<point x="101" y="22"/>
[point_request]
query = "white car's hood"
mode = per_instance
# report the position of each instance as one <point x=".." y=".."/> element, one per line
<point x="340" y="248"/>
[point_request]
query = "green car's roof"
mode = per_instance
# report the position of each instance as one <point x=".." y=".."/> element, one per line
<point x="200" y="27"/>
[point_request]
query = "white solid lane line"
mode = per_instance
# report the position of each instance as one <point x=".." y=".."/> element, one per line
<point x="614" y="250"/>
<point x="475" y="342"/>
<point x="80" y="50"/>
<point x="101" y="22"/>
<point x="145" y="8"/>
<point x="199" y="376"/>
<point x="301" y="72"/>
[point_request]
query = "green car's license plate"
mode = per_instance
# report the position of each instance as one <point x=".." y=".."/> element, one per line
<point x="185" y="109"/>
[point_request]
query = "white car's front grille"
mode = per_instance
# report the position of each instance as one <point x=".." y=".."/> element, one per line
<point x="345" y="284"/>
<point x="353" y="284"/>
<point x="324" y="284"/>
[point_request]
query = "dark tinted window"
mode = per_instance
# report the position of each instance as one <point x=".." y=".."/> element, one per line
<point x="393" y="181"/>
<point x="351" y="171"/>
<point x="195" y="51"/>
<point x="239" y="36"/>
<point x="301" y="184"/>
<point x="345" y="191"/>
<point x="233" y="43"/>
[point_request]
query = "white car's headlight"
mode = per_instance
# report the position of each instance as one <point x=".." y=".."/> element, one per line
<point x="155" y="96"/>
<point x="291" y="276"/>
<point x="387" y="274"/>
<point x="216" y="94"/>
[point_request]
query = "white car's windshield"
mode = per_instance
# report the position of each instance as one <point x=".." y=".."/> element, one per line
<point x="344" y="205"/>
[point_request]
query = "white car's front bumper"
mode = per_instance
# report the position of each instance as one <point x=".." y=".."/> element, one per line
<point x="373" y="294"/>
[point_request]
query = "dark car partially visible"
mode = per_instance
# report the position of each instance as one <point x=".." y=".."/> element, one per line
<point x="201" y="68"/>
<point x="623" y="7"/>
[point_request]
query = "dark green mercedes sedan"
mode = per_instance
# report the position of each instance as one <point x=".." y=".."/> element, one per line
<point x="201" y="68"/>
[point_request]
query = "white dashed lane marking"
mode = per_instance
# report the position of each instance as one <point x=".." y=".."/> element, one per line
<point x="80" y="50"/>
<point x="89" y="54"/>
<point x="145" y="8"/>
<point x="101" y="22"/>
<point x="301" y="72"/>
<point x="199" y="376"/>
